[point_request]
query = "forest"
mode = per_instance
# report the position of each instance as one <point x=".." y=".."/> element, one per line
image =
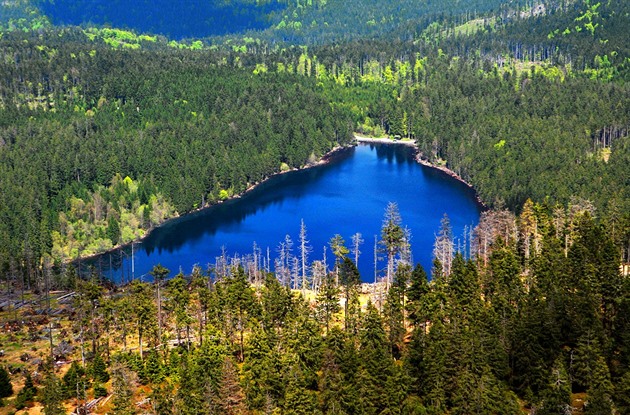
<point x="108" y="130"/>
<point x="532" y="318"/>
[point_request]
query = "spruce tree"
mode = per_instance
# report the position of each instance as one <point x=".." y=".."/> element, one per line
<point x="392" y="237"/>
<point x="330" y="385"/>
<point x="622" y="394"/>
<point x="122" y="382"/>
<point x="601" y="391"/>
<point x="349" y="279"/>
<point x="328" y="301"/>
<point x="375" y="359"/>
<point x="416" y="293"/>
<point x="191" y="398"/>
<point x="74" y="382"/>
<point x="6" y="389"/>
<point x="99" y="370"/>
<point x="52" y="395"/>
<point x="26" y="394"/>
<point x="556" y="398"/>
<point x="299" y="400"/>
<point x="231" y="399"/>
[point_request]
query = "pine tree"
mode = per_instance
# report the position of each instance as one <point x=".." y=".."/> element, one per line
<point x="162" y="400"/>
<point x="556" y="398"/>
<point x="328" y="301"/>
<point x="276" y="303"/>
<point x="74" y="382"/>
<point x="190" y="397"/>
<point x="375" y="361"/>
<point x="416" y="293"/>
<point x="231" y="399"/>
<point x="52" y="395"/>
<point x="394" y="310"/>
<point x="143" y="309"/>
<point x="298" y="399"/>
<point x="178" y="303"/>
<point x="397" y="389"/>
<point x="262" y="370"/>
<point x="392" y="237"/>
<point x="349" y="279"/>
<point x="339" y="250"/>
<point x="122" y="390"/>
<point x="26" y="394"/>
<point x="240" y="305"/>
<point x="6" y="389"/>
<point x="331" y="385"/>
<point x="463" y="286"/>
<point x="338" y="374"/>
<point x="622" y="394"/>
<point x="584" y="358"/>
<point x="99" y="370"/>
<point x="601" y="390"/>
<point x="153" y="369"/>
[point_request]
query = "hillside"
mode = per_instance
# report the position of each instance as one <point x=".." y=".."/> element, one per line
<point x="116" y="118"/>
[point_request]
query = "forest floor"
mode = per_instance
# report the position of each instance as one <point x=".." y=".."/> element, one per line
<point x="25" y="321"/>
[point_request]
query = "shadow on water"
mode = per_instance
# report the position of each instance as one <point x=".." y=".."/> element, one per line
<point x="277" y="190"/>
<point x="345" y="196"/>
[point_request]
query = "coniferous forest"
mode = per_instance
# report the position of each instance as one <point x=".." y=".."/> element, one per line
<point x="114" y="120"/>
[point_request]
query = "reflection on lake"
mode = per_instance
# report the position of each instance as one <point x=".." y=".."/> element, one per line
<point x="346" y="196"/>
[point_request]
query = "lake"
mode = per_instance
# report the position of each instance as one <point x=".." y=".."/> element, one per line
<point x="346" y="196"/>
<point x="175" y="19"/>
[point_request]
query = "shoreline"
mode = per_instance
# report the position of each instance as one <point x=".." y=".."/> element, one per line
<point x="421" y="159"/>
<point x="384" y="140"/>
<point x="323" y="160"/>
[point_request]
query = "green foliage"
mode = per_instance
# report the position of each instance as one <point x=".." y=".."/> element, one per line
<point x="230" y="399"/>
<point x="52" y="395"/>
<point x="328" y="301"/>
<point x="376" y="364"/>
<point x="105" y="134"/>
<point x="556" y="397"/>
<point x="6" y="389"/>
<point x="467" y="342"/>
<point x="350" y="279"/>
<point x="26" y="394"/>
<point x="87" y="133"/>
<point x="74" y="382"/>
<point x="153" y="370"/>
<point x="144" y="311"/>
<point x="122" y="387"/>
<point x="98" y="370"/>
<point x="100" y="390"/>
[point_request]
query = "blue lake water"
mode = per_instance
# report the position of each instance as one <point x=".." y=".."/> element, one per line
<point x="173" y="18"/>
<point x="346" y="196"/>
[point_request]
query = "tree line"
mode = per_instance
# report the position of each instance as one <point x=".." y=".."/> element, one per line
<point x="467" y="340"/>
